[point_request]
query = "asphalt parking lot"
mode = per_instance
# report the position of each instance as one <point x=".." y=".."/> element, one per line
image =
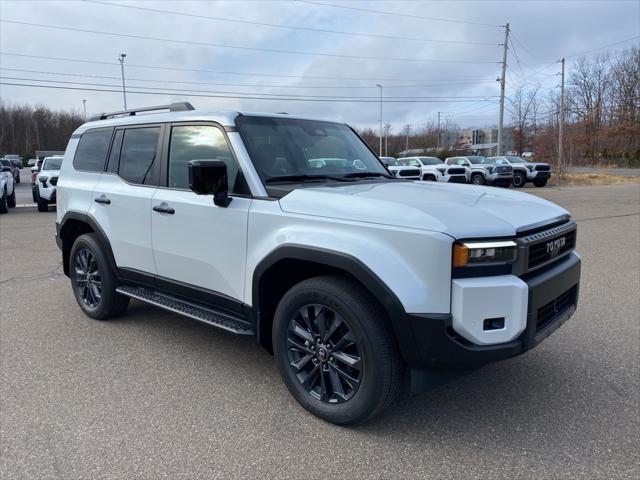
<point x="154" y="395"/>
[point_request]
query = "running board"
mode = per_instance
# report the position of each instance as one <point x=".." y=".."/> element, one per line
<point x="188" y="309"/>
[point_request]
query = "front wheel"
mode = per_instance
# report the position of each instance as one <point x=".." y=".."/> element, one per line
<point x="43" y="205"/>
<point x="335" y="350"/>
<point x="519" y="179"/>
<point x="11" y="201"/>
<point x="3" y="203"/>
<point x="540" y="182"/>
<point x="92" y="280"/>
<point x="478" y="180"/>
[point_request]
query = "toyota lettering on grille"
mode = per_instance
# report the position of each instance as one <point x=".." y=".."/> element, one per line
<point x="554" y="246"/>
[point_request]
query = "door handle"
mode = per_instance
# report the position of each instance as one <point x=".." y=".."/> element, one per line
<point x="164" y="208"/>
<point x="102" y="199"/>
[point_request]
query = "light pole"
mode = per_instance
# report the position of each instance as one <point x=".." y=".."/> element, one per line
<point x="84" y="106"/>
<point x="380" y="87"/>
<point x="124" y="92"/>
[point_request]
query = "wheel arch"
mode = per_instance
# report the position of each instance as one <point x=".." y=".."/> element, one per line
<point x="73" y="225"/>
<point x="289" y="265"/>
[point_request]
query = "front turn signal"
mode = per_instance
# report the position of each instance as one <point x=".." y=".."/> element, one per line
<point x="460" y="255"/>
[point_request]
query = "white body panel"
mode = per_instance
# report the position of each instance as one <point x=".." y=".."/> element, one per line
<point x="473" y="300"/>
<point x="395" y="255"/>
<point x="74" y="189"/>
<point x="126" y="221"/>
<point x="6" y="183"/>
<point x="201" y="244"/>
<point x="48" y="191"/>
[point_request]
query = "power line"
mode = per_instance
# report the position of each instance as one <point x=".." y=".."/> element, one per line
<point x="218" y="72"/>
<point x="396" y="14"/>
<point x="241" y="47"/>
<point x="288" y="27"/>
<point x="155" y="80"/>
<point x="603" y="47"/>
<point x="236" y="96"/>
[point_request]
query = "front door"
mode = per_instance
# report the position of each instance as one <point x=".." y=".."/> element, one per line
<point x="195" y="243"/>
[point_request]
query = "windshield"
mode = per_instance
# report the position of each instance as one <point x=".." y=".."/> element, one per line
<point x="478" y="160"/>
<point x="283" y="148"/>
<point x="52" y="164"/>
<point x="5" y="163"/>
<point x="514" y="159"/>
<point x="430" y="161"/>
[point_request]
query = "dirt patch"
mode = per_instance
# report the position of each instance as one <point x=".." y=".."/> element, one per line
<point x="593" y="179"/>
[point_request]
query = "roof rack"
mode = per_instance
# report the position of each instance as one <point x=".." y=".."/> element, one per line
<point x="173" y="107"/>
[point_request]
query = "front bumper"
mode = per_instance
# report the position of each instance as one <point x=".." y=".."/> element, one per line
<point x="538" y="175"/>
<point x="461" y="178"/>
<point x="48" y="193"/>
<point x="552" y="296"/>
<point x="499" y="178"/>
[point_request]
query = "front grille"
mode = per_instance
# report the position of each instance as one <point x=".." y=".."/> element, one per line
<point x="547" y="245"/>
<point x="456" y="171"/>
<point x="504" y="169"/>
<point x="552" y="310"/>
<point x="542" y="168"/>
<point x="409" y="173"/>
<point x="53" y="181"/>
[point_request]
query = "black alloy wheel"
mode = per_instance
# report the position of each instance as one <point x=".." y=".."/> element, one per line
<point x="324" y="354"/>
<point x="87" y="277"/>
<point x="478" y="180"/>
<point x="519" y="179"/>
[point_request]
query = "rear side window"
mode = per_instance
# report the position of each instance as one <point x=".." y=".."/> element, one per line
<point x="114" y="156"/>
<point x="138" y="155"/>
<point x="92" y="150"/>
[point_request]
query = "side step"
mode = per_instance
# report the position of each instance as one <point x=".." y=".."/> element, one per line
<point x="191" y="310"/>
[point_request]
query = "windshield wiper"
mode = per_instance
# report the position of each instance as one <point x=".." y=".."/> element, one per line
<point x="366" y="174"/>
<point x="305" y="178"/>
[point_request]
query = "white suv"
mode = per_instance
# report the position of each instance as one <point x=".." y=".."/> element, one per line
<point x="46" y="181"/>
<point x="435" y="170"/>
<point x="7" y="189"/>
<point x="357" y="281"/>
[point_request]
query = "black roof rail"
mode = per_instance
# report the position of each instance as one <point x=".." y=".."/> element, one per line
<point x="173" y="107"/>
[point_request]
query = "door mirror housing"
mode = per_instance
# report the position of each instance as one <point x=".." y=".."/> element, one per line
<point x="209" y="177"/>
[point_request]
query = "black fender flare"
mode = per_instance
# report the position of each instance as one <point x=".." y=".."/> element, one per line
<point x="398" y="317"/>
<point x="93" y="224"/>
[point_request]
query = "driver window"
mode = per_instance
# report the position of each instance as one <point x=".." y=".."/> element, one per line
<point x="198" y="142"/>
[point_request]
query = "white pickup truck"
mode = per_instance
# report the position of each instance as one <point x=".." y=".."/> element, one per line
<point x="435" y="170"/>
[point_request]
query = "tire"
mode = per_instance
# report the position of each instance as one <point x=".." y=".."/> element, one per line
<point x="33" y="194"/>
<point x="3" y="203"/>
<point x="519" y="179"/>
<point x="540" y="182"/>
<point x="375" y="376"/>
<point x="18" y="178"/>
<point x="11" y="201"/>
<point x="92" y="280"/>
<point x="478" y="179"/>
<point x="43" y="205"/>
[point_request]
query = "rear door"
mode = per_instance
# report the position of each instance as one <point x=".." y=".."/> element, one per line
<point x="122" y="198"/>
<point x="195" y="243"/>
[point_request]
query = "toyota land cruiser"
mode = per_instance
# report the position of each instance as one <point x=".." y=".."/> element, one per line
<point x="226" y="218"/>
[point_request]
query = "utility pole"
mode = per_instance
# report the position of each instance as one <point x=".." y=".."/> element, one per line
<point x="124" y="92"/>
<point x="438" y="147"/>
<point x="84" y="106"/>
<point x="406" y="143"/>
<point x="380" y="149"/>
<point x="561" y="125"/>
<point x="387" y="127"/>
<point x="502" y="85"/>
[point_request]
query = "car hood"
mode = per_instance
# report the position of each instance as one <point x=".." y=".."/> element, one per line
<point x="462" y="211"/>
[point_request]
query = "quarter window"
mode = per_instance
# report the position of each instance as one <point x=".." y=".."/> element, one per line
<point x="199" y="142"/>
<point x="92" y="150"/>
<point x="138" y="154"/>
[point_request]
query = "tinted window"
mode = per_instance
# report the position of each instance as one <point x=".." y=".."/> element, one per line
<point x="114" y="156"/>
<point x="430" y="161"/>
<point x="52" y="163"/>
<point x="198" y="142"/>
<point x="138" y="154"/>
<point x="92" y="150"/>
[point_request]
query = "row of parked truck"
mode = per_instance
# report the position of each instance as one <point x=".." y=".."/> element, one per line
<point x="502" y="171"/>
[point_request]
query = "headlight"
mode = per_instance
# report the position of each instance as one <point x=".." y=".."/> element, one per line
<point x="531" y="167"/>
<point x="442" y="170"/>
<point x="490" y="169"/>
<point x="43" y="179"/>
<point x="483" y="253"/>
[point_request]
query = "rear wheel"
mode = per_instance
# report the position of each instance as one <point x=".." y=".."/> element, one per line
<point x="540" y="182"/>
<point x="477" y="179"/>
<point x="92" y="280"/>
<point x="33" y="193"/>
<point x="519" y="179"/>
<point x="43" y="205"/>
<point x="335" y="350"/>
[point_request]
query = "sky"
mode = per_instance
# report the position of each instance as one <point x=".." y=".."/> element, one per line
<point x="320" y="58"/>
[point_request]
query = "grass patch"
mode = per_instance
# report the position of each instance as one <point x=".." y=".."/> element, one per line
<point x="593" y="179"/>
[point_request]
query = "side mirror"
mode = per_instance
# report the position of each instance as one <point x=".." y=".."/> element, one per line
<point x="6" y="169"/>
<point x="209" y="177"/>
<point x="34" y="169"/>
